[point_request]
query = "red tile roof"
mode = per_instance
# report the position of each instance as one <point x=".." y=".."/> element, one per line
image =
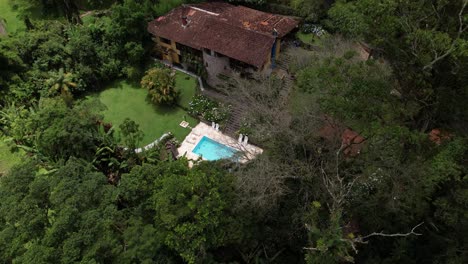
<point x="238" y="32"/>
<point x="438" y="136"/>
<point x="350" y="139"/>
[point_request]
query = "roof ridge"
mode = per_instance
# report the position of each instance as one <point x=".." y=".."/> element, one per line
<point x="201" y="10"/>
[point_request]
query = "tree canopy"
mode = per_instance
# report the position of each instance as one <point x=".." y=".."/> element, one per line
<point x="364" y="161"/>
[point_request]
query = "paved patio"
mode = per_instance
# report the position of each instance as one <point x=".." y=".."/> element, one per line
<point x="248" y="151"/>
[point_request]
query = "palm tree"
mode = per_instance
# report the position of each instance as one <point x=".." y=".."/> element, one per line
<point x="61" y="83"/>
<point x="160" y="83"/>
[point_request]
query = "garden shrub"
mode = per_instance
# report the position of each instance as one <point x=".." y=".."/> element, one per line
<point x="313" y="28"/>
<point x="208" y="109"/>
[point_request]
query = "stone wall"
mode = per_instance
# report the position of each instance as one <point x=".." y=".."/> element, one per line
<point x="215" y="64"/>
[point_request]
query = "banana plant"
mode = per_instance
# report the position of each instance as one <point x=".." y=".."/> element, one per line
<point x="61" y="83"/>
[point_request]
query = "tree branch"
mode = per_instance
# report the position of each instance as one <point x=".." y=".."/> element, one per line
<point x="461" y="29"/>
<point x="412" y="232"/>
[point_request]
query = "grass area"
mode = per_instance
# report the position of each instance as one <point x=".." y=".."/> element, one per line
<point x="13" y="23"/>
<point x="7" y="158"/>
<point x="305" y="37"/>
<point x="310" y="38"/>
<point x="186" y="85"/>
<point x="126" y="100"/>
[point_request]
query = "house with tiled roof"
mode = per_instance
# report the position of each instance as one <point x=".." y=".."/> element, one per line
<point x="217" y="37"/>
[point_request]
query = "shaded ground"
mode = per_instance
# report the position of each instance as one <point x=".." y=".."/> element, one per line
<point x="7" y="158"/>
<point x="125" y="100"/>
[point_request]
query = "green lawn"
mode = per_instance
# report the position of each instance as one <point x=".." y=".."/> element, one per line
<point x="186" y="84"/>
<point x="305" y="37"/>
<point x="10" y="16"/>
<point x="310" y="38"/>
<point x="123" y="100"/>
<point x="7" y="158"/>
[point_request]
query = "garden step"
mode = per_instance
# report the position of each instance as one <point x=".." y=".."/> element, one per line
<point x="234" y="122"/>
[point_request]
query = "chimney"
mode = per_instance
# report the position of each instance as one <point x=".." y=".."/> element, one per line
<point x="184" y="21"/>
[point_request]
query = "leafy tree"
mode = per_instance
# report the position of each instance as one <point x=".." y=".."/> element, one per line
<point x="48" y="8"/>
<point x="10" y="66"/>
<point x="17" y="124"/>
<point x="326" y="235"/>
<point x="61" y="216"/>
<point x="424" y="41"/>
<point x="310" y="10"/>
<point x="131" y="133"/>
<point x="160" y="83"/>
<point x="145" y="244"/>
<point x="342" y="85"/>
<point x="23" y="209"/>
<point x="82" y="215"/>
<point x="57" y="126"/>
<point x="193" y="209"/>
<point x="162" y="7"/>
<point x="109" y="157"/>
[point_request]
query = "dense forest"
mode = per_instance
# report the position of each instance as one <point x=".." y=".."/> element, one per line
<point x="78" y="193"/>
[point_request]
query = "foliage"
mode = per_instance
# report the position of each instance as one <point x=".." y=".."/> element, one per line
<point x="131" y="133"/>
<point x="80" y="198"/>
<point x="162" y="7"/>
<point x="194" y="63"/>
<point x="160" y="83"/>
<point x="208" y="109"/>
<point x="17" y="124"/>
<point x="61" y="83"/>
<point x="67" y="8"/>
<point x="111" y="46"/>
<point x="341" y="85"/>
<point x="312" y="28"/>
<point x="53" y="125"/>
<point x="326" y="236"/>
<point x="309" y="10"/>
<point x="245" y="127"/>
<point x="59" y="126"/>
<point x="424" y="41"/>
<point x="192" y="207"/>
<point x="67" y="215"/>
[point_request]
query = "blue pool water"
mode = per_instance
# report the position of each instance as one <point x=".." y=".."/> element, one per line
<point x="213" y="150"/>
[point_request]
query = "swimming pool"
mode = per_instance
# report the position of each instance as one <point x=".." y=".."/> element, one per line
<point x="213" y="150"/>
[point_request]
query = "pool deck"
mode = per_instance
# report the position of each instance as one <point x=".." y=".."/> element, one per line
<point x="248" y="151"/>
